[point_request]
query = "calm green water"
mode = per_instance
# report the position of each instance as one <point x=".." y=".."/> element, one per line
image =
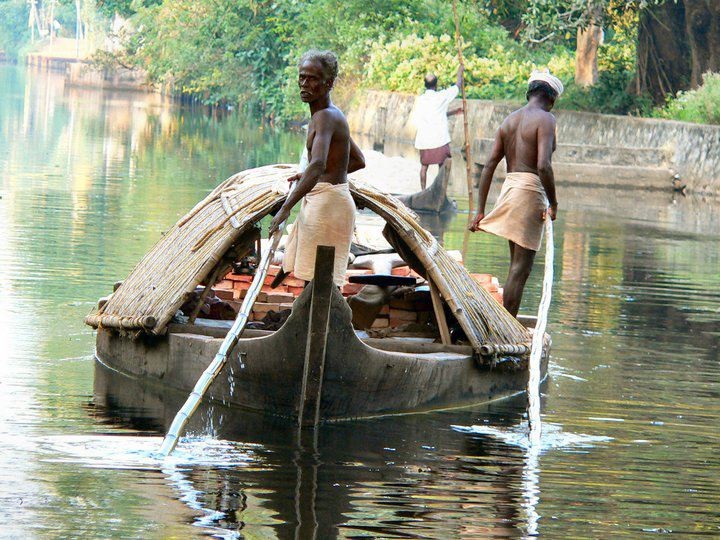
<point x="91" y="179"/>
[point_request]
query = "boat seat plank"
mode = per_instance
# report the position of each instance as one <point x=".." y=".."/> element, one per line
<point x="383" y="280"/>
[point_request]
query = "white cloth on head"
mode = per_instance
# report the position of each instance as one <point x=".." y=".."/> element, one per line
<point x="326" y="218"/>
<point x="430" y="117"/>
<point x="545" y="76"/>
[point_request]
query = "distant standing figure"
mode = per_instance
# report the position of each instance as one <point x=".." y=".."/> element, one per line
<point x="327" y="214"/>
<point x="526" y="139"/>
<point x="430" y="117"/>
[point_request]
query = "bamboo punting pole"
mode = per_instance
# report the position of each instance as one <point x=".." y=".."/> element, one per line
<point x="183" y="415"/>
<point x="533" y="386"/>
<point x="468" y="161"/>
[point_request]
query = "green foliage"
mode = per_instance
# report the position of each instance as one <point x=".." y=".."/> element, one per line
<point x="496" y="66"/>
<point x="609" y="95"/>
<point x="701" y="105"/>
<point x="14" y="31"/>
<point x="126" y="8"/>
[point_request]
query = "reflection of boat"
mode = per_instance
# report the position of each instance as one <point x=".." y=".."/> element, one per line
<point x="386" y="477"/>
<point x="471" y="351"/>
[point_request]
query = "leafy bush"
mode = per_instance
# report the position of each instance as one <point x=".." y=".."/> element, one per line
<point x="495" y="68"/>
<point x="701" y="105"/>
<point x="14" y="31"/>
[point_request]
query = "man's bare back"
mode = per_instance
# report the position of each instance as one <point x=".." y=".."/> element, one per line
<point x="519" y="133"/>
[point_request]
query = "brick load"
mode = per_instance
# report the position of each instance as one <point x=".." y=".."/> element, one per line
<point x="412" y="308"/>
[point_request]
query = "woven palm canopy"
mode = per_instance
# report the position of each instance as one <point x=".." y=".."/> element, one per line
<point x="203" y="242"/>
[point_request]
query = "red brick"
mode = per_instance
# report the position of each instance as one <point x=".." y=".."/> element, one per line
<point x="497" y="296"/>
<point x="280" y="297"/>
<point x="224" y="284"/>
<point x="264" y="307"/>
<point x="224" y="294"/>
<point x="239" y="295"/>
<point x="293" y="282"/>
<point x="296" y="291"/>
<point x="490" y="287"/>
<point x="240" y="277"/>
<point x="401" y="271"/>
<point x="273" y="270"/>
<point x="262" y="297"/>
<point x="351" y="288"/>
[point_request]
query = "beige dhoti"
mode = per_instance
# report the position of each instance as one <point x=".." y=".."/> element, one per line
<point x="326" y="218"/>
<point x="518" y="212"/>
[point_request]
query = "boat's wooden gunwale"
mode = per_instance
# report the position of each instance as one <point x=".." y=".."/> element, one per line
<point x="265" y="372"/>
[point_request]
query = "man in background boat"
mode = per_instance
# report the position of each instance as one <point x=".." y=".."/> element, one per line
<point x="430" y="118"/>
<point x="526" y="139"/>
<point x="327" y="213"/>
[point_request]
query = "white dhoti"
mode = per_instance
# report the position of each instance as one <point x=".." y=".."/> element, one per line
<point x="518" y="211"/>
<point x="326" y="218"/>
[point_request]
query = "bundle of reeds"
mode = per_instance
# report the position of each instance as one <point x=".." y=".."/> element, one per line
<point x="185" y="256"/>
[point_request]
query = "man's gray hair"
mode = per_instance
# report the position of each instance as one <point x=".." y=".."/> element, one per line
<point x="327" y="59"/>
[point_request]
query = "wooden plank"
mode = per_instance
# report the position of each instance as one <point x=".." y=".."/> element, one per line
<point x="439" y="314"/>
<point x="322" y="284"/>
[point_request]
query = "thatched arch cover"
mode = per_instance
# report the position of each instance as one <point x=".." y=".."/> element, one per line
<point x="192" y="248"/>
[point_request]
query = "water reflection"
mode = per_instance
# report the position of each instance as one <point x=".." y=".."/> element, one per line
<point x="346" y="477"/>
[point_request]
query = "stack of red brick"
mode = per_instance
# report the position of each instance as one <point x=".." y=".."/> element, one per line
<point x="233" y="287"/>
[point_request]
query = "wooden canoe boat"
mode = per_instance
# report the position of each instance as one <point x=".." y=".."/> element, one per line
<point x="316" y="356"/>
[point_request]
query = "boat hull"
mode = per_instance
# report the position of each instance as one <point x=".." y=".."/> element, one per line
<point x="265" y="373"/>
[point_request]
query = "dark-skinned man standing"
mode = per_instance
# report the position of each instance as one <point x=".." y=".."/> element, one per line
<point x="327" y="214"/>
<point x="526" y="139"/>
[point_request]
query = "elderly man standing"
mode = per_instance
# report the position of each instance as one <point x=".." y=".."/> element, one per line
<point x="430" y="118"/>
<point x="526" y="139"/>
<point x="327" y="214"/>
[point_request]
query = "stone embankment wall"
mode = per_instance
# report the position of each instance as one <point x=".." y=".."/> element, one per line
<point x="85" y="74"/>
<point x="594" y="149"/>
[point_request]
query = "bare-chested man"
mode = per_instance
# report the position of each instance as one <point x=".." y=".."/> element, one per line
<point x="327" y="215"/>
<point x="526" y="139"/>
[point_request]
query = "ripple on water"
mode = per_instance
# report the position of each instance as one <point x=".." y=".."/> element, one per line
<point x="130" y="452"/>
<point x="553" y="437"/>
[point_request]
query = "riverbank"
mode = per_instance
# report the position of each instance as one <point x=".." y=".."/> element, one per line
<point x="594" y="149"/>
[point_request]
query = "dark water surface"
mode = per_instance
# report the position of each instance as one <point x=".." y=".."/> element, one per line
<point x="90" y="180"/>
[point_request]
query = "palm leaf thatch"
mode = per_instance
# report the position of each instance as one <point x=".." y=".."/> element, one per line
<point x="223" y="224"/>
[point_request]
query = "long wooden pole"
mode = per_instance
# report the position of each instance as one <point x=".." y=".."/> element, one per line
<point x="468" y="160"/>
<point x="183" y="415"/>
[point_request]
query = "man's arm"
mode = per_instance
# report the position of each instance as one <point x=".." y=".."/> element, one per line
<point x="357" y="160"/>
<point x="496" y="154"/>
<point x="546" y="145"/>
<point x="320" y="149"/>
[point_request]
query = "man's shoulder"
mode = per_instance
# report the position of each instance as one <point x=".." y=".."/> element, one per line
<point x="330" y="117"/>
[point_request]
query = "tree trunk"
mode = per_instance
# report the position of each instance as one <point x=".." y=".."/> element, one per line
<point x="663" y="53"/>
<point x="702" y="20"/>
<point x="588" y="41"/>
<point x="677" y="43"/>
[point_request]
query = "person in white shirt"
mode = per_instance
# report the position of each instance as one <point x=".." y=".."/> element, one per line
<point x="430" y="118"/>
